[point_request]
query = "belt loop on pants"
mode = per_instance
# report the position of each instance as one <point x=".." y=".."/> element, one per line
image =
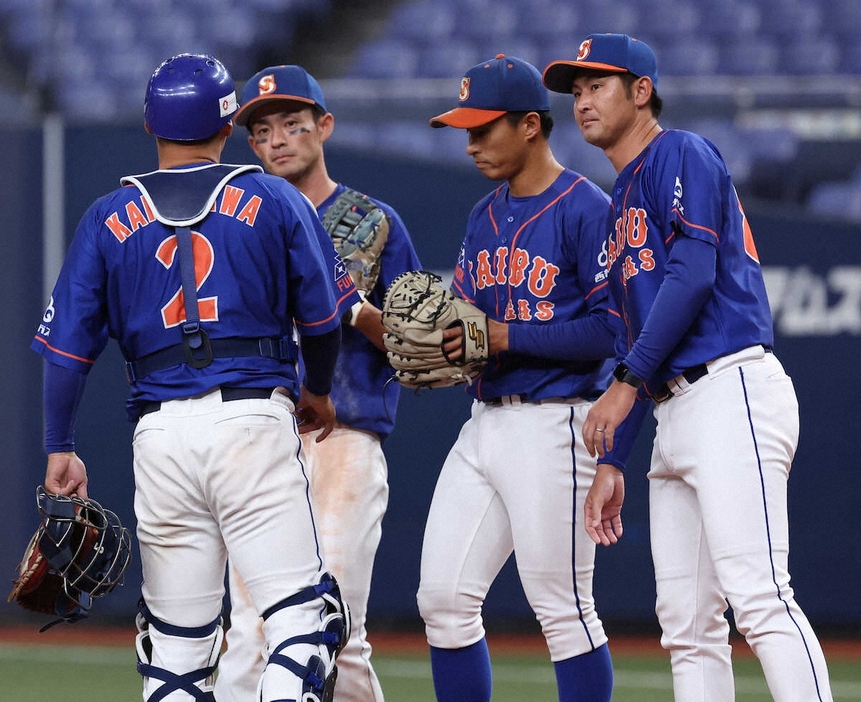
<point x="505" y="400"/>
<point x="690" y="376"/>
<point x="228" y="394"/>
<point x="677" y="385"/>
<point x="521" y="399"/>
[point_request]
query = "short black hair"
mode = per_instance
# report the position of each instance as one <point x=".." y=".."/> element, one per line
<point x="656" y="103"/>
<point x="545" y="116"/>
<point x="317" y="113"/>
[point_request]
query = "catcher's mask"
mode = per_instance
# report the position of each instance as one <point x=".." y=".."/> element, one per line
<point x="85" y="546"/>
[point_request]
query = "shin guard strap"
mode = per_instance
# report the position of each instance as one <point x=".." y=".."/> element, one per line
<point x="173" y="682"/>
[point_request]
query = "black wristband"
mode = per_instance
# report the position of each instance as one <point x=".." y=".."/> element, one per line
<point x="623" y="375"/>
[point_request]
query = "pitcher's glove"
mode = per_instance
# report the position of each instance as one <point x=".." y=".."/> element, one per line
<point x="416" y="310"/>
<point x="359" y="230"/>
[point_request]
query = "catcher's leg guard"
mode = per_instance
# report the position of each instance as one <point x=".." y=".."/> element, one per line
<point x="177" y="663"/>
<point x="313" y="680"/>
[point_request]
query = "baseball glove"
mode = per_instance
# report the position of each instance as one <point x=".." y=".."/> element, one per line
<point x="416" y="310"/>
<point x="79" y="553"/>
<point x="38" y="587"/>
<point x="359" y="230"/>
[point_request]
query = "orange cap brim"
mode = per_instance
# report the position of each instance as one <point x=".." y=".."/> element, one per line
<point x="243" y="114"/>
<point x="465" y="118"/>
<point x="559" y="76"/>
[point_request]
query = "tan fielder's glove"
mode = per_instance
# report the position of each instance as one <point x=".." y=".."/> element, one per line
<point x="416" y="310"/>
<point x="359" y="230"/>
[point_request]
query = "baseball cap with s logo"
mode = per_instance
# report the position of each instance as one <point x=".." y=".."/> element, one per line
<point x="285" y="83"/>
<point x="614" y="53"/>
<point x="492" y="88"/>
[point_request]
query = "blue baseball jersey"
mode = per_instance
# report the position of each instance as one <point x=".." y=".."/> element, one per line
<point x="264" y="268"/>
<point x="533" y="261"/>
<point x="362" y="398"/>
<point x="679" y="186"/>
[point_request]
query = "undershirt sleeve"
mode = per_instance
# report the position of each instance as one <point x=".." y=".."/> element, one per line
<point x="687" y="284"/>
<point x="320" y="353"/>
<point x="62" y="393"/>
<point x="626" y="434"/>
<point x="581" y="339"/>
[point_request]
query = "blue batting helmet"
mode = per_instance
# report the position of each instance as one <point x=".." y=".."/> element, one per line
<point x="189" y="97"/>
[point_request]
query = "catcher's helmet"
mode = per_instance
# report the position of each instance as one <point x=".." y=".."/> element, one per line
<point x="86" y="548"/>
<point x="189" y="97"/>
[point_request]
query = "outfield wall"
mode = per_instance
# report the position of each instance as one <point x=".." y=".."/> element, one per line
<point x="813" y="270"/>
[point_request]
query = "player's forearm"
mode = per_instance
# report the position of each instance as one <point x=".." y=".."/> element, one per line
<point x="625" y="435"/>
<point x="320" y="354"/>
<point x="369" y="322"/>
<point x="581" y="339"/>
<point x="62" y="393"/>
<point x="686" y="287"/>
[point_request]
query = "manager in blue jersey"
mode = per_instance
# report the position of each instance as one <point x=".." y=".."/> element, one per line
<point x="516" y="477"/>
<point x="695" y="345"/>
<point x="285" y="112"/>
<point x="204" y="273"/>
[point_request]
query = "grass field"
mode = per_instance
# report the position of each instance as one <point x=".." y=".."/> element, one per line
<point x="36" y="672"/>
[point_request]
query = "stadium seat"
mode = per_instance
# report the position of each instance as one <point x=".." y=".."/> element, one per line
<point x="850" y="59"/>
<point x="423" y="21"/>
<point x="547" y="20"/>
<point x="622" y="17"/>
<point x="480" y="22"/>
<point x="669" y="20"/>
<point x="406" y="138"/>
<point x="788" y="19"/>
<point x="842" y="18"/>
<point x="723" y="20"/>
<point x="387" y="58"/>
<point x="809" y="55"/>
<point x="750" y="55"/>
<point x="688" y="57"/>
<point x="448" y="58"/>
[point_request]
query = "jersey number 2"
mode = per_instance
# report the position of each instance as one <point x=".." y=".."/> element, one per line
<point x="173" y="313"/>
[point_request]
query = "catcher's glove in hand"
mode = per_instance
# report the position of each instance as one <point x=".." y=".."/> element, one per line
<point x="359" y="230"/>
<point x="416" y="310"/>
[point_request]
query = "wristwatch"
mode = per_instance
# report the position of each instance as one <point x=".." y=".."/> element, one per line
<point x="623" y="375"/>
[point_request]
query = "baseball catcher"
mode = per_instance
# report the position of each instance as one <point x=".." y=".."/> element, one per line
<point x="359" y="230"/>
<point x="79" y="553"/>
<point x="416" y="311"/>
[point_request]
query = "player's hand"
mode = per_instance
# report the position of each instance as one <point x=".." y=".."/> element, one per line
<point x="369" y="322"/>
<point x="497" y="334"/>
<point x="66" y="474"/>
<point x="315" y="412"/>
<point x="603" y="510"/>
<point x="452" y="342"/>
<point x="608" y="412"/>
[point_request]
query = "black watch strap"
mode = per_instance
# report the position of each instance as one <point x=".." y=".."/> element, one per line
<point x="623" y="375"/>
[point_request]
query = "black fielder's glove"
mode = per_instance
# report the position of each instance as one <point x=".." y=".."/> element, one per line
<point x="359" y="230"/>
<point x="416" y="310"/>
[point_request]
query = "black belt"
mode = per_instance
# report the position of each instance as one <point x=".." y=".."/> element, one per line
<point x="283" y="349"/>
<point x="521" y="398"/>
<point x="691" y="375"/>
<point x="498" y="401"/>
<point x="227" y="395"/>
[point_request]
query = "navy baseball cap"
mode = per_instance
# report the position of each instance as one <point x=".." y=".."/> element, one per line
<point x="492" y="88"/>
<point x="275" y="83"/>
<point x="617" y="53"/>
